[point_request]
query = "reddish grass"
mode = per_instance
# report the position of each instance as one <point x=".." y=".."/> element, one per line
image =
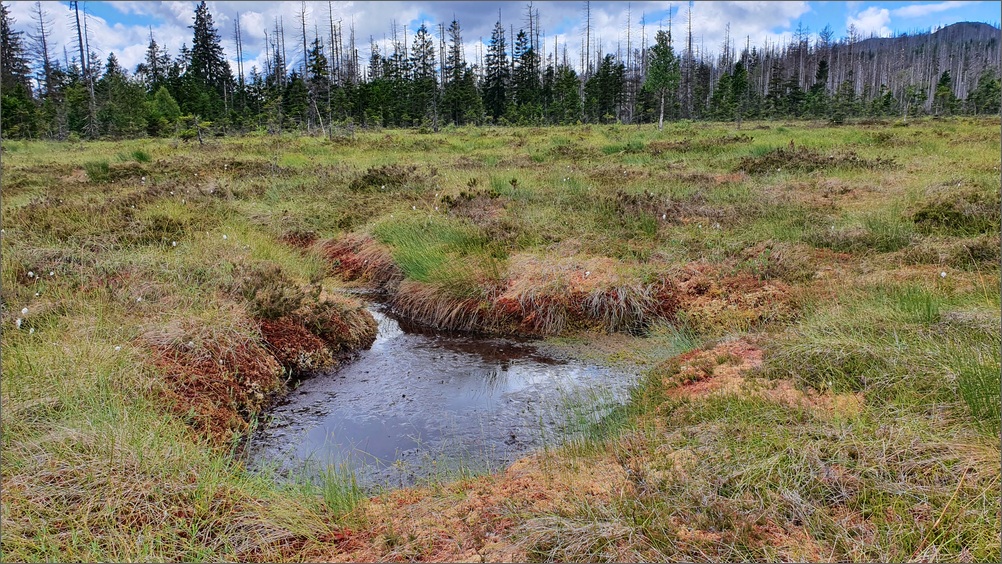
<point x="340" y="322"/>
<point x="362" y="258"/>
<point x="294" y="346"/>
<point x="215" y="392"/>
<point x="299" y="239"/>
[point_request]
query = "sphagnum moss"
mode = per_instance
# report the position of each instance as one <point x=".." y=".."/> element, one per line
<point x="866" y="430"/>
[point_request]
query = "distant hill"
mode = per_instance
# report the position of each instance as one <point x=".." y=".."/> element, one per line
<point x="965" y="49"/>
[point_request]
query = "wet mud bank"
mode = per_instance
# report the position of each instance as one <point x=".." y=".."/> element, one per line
<point x="421" y="405"/>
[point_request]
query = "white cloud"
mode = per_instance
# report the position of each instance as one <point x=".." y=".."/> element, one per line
<point x="871" y="21"/>
<point x="920" y="10"/>
<point x="757" y="21"/>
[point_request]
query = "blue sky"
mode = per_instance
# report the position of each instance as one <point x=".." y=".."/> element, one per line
<point x="123" y="27"/>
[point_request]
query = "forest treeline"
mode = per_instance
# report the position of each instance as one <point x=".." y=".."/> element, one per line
<point x="426" y="80"/>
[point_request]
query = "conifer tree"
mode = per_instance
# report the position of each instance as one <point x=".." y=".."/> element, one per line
<point x="424" y="87"/>
<point x="986" y="97"/>
<point x="604" y="90"/>
<point x="566" y="107"/>
<point x="318" y="80"/>
<point x="18" y="107"/>
<point x="663" y="73"/>
<point x="154" y="68"/>
<point x="497" y="77"/>
<point x="460" y="98"/>
<point x="525" y="80"/>
<point x="944" y="101"/>
<point x="121" y="102"/>
<point x="211" y="80"/>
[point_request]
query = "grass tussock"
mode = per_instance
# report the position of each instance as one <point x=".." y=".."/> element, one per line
<point x="805" y="159"/>
<point x="216" y="375"/>
<point x="97" y="171"/>
<point x="385" y="177"/>
<point x="969" y="213"/>
<point x="362" y="258"/>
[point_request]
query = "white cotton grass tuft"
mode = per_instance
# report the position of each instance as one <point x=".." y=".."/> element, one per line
<point x="942" y="274"/>
<point x="17" y="322"/>
<point x="24" y="311"/>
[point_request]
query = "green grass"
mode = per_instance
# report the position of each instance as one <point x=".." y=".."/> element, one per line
<point x="340" y="489"/>
<point x="429" y="250"/>
<point x="97" y="171"/>
<point x="835" y="273"/>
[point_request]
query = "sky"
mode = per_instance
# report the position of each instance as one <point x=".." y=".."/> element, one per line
<point x="124" y="27"/>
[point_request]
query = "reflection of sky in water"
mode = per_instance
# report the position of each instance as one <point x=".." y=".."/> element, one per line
<point x="420" y="398"/>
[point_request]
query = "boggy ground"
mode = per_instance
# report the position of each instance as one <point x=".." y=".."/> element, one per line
<point x="814" y="311"/>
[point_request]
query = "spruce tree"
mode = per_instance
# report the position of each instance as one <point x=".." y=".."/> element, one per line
<point x="738" y="96"/>
<point x="816" y="101"/>
<point x="211" y="80"/>
<point x="295" y="101"/>
<point x="985" y="98"/>
<point x="497" y="77"/>
<point x="424" y="88"/>
<point x="944" y="101"/>
<point x="525" y="80"/>
<point x="18" y="107"/>
<point x="155" y="67"/>
<point x="162" y="112"/>
<point x="663" y="72"/>
<point x="566" y="107"/>
<point x="604" y="90"/>
<point x="318" y="79"/>
<point x="121" y="102"/>
<point x="460" y="99"/>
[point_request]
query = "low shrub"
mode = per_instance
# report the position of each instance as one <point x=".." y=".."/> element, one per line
<point x="270" y="294"/>
<point x="965" y="214"/>
<point x="385" y="177"/>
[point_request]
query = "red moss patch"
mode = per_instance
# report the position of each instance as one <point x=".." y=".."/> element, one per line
<point x="296" y="348"/>
<point x="717" y="302"/>
<point x="299" y="239"/>
<point x="214" y="392"/>
<point x="702" y="371"/>
<point x="477" y="520"/>
<point x="339" y="322"/>
<point x="362" y="258"/>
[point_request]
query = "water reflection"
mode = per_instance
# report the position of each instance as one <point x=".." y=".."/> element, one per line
<point x="419" y="403"/>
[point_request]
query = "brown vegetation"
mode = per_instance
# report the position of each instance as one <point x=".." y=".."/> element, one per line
<point x="362" y="258"/>
<point x="805" y="159"/>
<point x="213" y="379"/>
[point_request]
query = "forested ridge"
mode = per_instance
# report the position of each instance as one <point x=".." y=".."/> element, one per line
<point x="426" y="80"/>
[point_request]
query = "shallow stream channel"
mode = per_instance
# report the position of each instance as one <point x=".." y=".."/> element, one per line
<point x="420" y="406"/>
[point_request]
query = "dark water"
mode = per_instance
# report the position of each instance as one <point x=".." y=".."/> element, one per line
<point x="424" y="405"/>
